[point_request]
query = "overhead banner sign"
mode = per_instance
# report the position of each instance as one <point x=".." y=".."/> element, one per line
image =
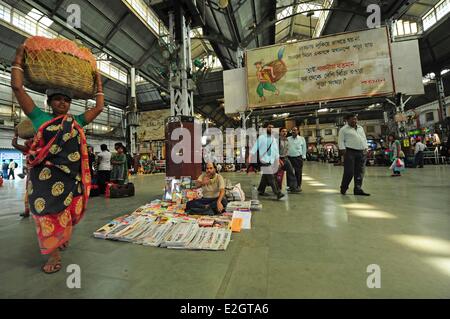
<point x="152" y="125"/>
<point x="338" y="67"/>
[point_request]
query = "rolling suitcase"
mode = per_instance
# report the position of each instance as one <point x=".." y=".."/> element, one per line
<point x="118" y="191"/>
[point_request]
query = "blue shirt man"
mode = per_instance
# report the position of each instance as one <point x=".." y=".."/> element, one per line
<point x="267" y="146"/>
<point x="297" y="145"/>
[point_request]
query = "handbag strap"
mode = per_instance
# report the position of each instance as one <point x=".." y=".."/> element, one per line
<point x="271" y="142"/>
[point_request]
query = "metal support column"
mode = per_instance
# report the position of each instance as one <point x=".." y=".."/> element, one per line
<point x="181" y="86"/>
<point x="400" y="112"/>
<point x="240" y="57"/>
<point x="318" y="135"/>
<point x="132" y="116"/>
<point x="108" y="119"/>
<point x="441" y="97"/>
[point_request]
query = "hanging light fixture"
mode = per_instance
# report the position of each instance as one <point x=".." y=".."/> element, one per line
<point x="223" y="4"/>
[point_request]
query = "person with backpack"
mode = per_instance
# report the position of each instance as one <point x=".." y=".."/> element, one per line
<point x="12" y="165"/>
<point x="267" y="146"/>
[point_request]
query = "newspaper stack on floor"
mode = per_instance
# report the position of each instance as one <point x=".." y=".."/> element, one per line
<point x="255" y="205"/>
<point x="161" y="224"/>
<point x="238" y="205"/>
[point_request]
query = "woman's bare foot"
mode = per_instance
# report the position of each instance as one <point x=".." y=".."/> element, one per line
<point x="53" y="263"/>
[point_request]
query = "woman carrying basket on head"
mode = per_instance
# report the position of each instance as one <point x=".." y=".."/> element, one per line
<point x="59" y="179"/>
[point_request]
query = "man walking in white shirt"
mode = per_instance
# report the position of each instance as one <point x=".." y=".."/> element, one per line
<point x="296" y="155"/>
<point x="104" y="168"/>
<point x="418" y="152"/>
<point x="353" y="145"/>
<point x="11" y="166"/>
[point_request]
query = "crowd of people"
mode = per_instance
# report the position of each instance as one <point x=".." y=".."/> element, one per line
<point x="62" y="168"/>
<point x="8" y="169"/>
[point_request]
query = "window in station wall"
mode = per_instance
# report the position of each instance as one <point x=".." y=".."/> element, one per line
<point x="328" y="132"/>
<point x="370" y="129"/>
<point x="429" y="117"/>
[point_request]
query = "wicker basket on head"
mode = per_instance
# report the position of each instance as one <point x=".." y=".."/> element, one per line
<point x="59" y="63"/>
<point x="25" y="129"/>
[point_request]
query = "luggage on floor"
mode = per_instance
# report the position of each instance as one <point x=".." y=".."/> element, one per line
<point x="410" y="162"/>
<point x="118" y="191"/>
<point x="94" y="190"/>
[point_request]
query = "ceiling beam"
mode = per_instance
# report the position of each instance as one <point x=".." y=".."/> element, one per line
<point x="232" y="25"/>
<point x="424" y="4"/>
<point x="397" y="9"/>
<point x="255" y="20"/>
<point x="213" y="36"/>
<point x="56" y="8"/>
<point x="115" y="29"/>
<point x="266" y="22"/>
<point x="297" y="36"/>
<point x="291" y="25"/>
<point x="433" y="56"/>
<point x="214" y="44"/>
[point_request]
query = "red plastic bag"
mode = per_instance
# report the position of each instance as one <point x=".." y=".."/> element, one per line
<point x="279" y="177"/>
<point x="108" y="189"/>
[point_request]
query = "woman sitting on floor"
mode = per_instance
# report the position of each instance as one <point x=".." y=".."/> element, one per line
<point x="213" y="188"/>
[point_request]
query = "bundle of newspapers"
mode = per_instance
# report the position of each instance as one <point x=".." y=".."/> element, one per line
<point x="160" y="225"/>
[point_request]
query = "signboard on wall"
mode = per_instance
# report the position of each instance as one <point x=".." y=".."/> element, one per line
<point x="343" y="66"/>
<point x="407" y="67"/>
<point x="152" y="125"/>
<point x="234" y="82"/>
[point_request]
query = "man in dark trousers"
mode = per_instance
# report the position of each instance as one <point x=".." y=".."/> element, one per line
<point x="5" y="169"/>
<point x="286" y="163"/>
<point x="353" y="145"/>
<point x="12" y="166"/>
<point x="104" y="168"/>
<point x="267" y="147"/>
<point x="297" y="154"/>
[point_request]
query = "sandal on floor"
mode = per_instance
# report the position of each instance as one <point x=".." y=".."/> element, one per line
<point x="64" y="246"/>
<point x="56" y="265"/>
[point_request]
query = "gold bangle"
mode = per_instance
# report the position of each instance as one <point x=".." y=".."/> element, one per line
<point x="17" y="67"/>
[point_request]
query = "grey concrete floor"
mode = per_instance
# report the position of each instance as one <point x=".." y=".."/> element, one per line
<point x="317" y="244"/>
